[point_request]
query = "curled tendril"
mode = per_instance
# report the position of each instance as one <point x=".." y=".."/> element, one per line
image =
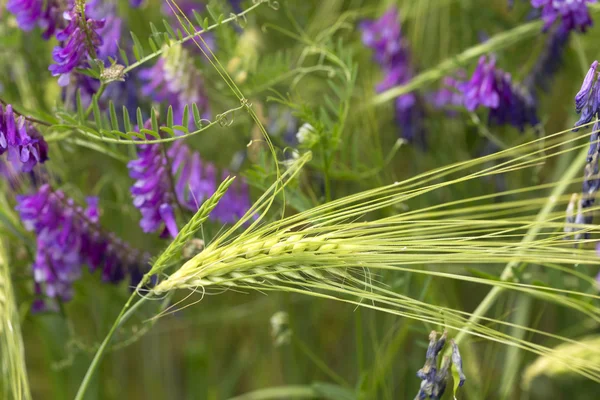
<point x="274" y="4"/>
<point x="224" y="121"/>
<point x="241" y="22"/>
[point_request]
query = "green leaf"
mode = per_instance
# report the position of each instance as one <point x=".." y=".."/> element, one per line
<point x="186" y="116"/>
<point x="96" y="111"/>
<point x="170" y="117"/>
<point x="140" y="119"/>
<point x="126" y="120"/>
<point x="138" y="50"/>
<point x="196" y="114"/>
<point x="169" y="29"/>
<point x="168" y="130"/>
<point x="80" y="110"/>
<point x="154" y="120"/>
<point x="150" y="132"/>
<point x="124" y="56"/>
<point x="114" y="122"/>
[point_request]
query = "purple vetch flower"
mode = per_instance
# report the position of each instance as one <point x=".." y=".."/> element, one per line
<point x="448" y="95"/>
<point x="47" y="14"/>
<point x="175" y="80"/>
<point x="574" y="14"/>
<point x="135" y="3"/>
<point x="433" y="380"/>
<point x="152" y="193"/>
<point x="79" y="40"/>
<point x="493" y="88"/>
<point x="587" y="103"/>
<point x="195" y="180"/>
<point x="179" y="178"/>
<point x="391" y="51"/>
<point x="20" y="139"/>
<point x="68" y="237"/>
<point x="110" y="32"/>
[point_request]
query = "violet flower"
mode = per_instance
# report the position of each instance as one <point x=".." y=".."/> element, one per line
<point x="195" y="180"/>
<point x="179" y="178"/>
<point x="549" y="61"/>
<point x="80" y="40"/>
<point x="574" y="14"/>
<point x="151" y="192"/>
<point x="587" y="103"/>
<point x="47" y="14"/>
<point x="234" y="204"/>
<point x="391" y="52"/>
<point x="434" y="380"/>
<point x="492" y="88"/>
<point x="20" y="139"/>
<point x="68" y="237"/>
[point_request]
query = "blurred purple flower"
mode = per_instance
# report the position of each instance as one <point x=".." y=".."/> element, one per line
<point x="391" y="52"/>
<point x="68" y="237"/>
<point x="195" y="180"/>
<point x="47" y="14"/>
<point x="177" y="83"/>
<point x="492" y="88"/>
<point x="21" y="140"/>
<point x="574" y="14"/>
<point x="549" y="61"/>
<point x="449" y="95"/>
<point x="234" y="204"/>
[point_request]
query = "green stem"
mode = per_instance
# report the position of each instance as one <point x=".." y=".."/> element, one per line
<point x="513" y="359"/>
<point x="96" y="95"/>
<point x="320" y="363"/>
<point x="574" y="169"/>
<point x="102" y="349"/>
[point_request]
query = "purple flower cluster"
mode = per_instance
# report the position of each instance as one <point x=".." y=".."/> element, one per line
<point x="492" y="88"/>
<point x="587" y="100"/>
<point x="574" y="14"/>
<point x="19" y="138"/>
<point x="80" y="39"/>
<point x="178" y="178"/>
<point x="449" y="95"/>
<point x="391" y="52"/>
<point x="47" y="14"/>
<point x="433" y="381"/>
<point x="176" y="81"/>
<point x="69" y="237"/>
<point x="587" y="103"/>
<point x="234" y="204"/>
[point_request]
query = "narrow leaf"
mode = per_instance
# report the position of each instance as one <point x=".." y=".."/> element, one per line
<point x="154" y="120"/>
<point x="170" y="117"/>
<point x="140" y="119"/>
<point x="138" y="50"/>
<point x="126" y="121"/>
<point x="114" y="122"/>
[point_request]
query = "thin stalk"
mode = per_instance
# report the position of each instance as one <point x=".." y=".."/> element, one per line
<point x="320" y="363"/>
<point x="507" y="274"/>
<point x="102" y="349"/>
<point x="513" y="358"/>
